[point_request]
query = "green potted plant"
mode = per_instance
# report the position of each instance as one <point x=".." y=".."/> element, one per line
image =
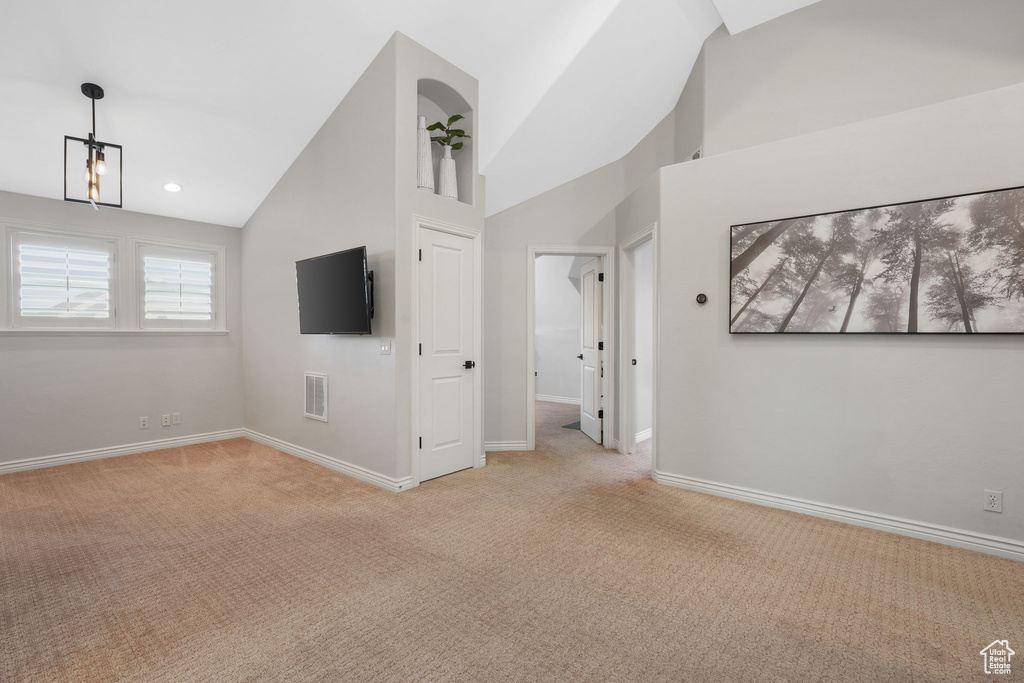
<point x="447" y="181"/>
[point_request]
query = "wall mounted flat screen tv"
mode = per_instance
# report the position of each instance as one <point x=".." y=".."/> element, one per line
<point x="953" y="265"/>
<point x="335" y="293"/>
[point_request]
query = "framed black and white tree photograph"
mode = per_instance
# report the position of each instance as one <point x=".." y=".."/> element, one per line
<point x="953" y="265"/>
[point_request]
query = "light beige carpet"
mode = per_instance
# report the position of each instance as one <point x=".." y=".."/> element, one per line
<point x="232" y="561"/>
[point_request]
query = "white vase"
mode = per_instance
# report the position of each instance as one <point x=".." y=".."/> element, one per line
<point x="447" y="184"/>
<point x="424" y="158"/>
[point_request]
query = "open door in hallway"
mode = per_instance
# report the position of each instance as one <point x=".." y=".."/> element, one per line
<point x="590" y="336"/>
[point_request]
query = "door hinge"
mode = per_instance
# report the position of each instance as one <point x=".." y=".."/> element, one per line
<point x="600" y="277"/>
<point x="600" y="346"/>
<point x="421" y="443"/>
<point x="421" y="351"/>
<point x="421" y="254"/>
<point x="600" y="415"/>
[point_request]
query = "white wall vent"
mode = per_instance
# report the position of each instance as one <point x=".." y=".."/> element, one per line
<point x="316" y="396"/>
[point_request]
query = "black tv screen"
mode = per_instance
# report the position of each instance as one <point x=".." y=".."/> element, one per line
<point x="335" y="293"/>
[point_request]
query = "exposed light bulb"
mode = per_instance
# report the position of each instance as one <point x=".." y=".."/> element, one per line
<point x="88" y="171"/>
<point x="94" y="192"/>
<point x="101" y="164"/>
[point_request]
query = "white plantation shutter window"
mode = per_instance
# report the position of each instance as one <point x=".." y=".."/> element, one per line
<point x="62" y="280"/>
<point x="177" y="287"/>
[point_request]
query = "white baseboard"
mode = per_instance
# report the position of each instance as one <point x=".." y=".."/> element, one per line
<point x="971" y="540"/>
<point x="483" y="459"/>
<point x="557" y="399"/>
<point x="332" y="463"/>
<point x="505" y="446"/>
<point x="354" y="471"/>
<point x="644" y="435"/>
<point x="114" y="451"/>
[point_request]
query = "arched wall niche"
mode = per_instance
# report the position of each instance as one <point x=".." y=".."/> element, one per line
<point x="437" y="101"/>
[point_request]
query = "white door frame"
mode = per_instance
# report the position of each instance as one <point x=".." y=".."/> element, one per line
<point x="607" y="256"/>
<point x="627" y="325"/>
<point x="414" y="385"/>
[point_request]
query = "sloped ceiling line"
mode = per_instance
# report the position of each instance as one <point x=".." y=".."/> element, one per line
<point x="565" y="87"/>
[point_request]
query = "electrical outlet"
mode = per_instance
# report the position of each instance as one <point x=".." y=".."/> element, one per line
<point x="143" y="423"/>
<point x="165" y="420"/>
<point x="994" y="501"/>
<point x="385" y="347"/>
<point x="175" y="418"/>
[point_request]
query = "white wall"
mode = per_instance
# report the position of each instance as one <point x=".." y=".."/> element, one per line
<point x="640" y="210"/>
<point x="575" y="213"/>
<point x="911" y="427"/>
<point x="643" y="338"/>
<point x="457" y="94"/>
<point x="829" y="64"/>
<point x="61" y="394"/>
<point x="557" y="314"/>
<point x="581" y="212"/>
<point x="354" y="184"/>
<point x="688" y="115"/>
<point x="338" y="194"/>
<point x="840" y="61"/>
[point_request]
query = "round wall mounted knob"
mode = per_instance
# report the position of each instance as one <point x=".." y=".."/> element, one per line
<point x="702" y="298"/>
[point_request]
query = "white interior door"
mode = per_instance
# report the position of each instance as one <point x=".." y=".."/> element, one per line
<point x="642" y="383"/>
<point x="446" y="361"/>
<point x="590" y="339"/>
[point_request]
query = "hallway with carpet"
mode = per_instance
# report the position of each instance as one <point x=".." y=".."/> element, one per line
<point x="231" y="561"/>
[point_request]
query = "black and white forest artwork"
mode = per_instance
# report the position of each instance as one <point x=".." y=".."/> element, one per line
<point x="951" y="265"/>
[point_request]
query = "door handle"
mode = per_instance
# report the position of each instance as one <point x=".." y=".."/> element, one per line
<point x="580" y="356"/>
<point x="470" y="365"/>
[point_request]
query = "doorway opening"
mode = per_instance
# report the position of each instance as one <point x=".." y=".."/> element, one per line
<point x="570" y="369"/>
<point x="638" y="298"/>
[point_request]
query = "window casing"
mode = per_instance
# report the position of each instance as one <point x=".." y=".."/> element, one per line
<point x="56" y="280"/>
<point x="177" y="287"/>
<point x="61" y="280"/>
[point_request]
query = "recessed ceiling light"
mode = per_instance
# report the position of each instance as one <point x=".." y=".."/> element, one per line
<point x="172" y="187"/>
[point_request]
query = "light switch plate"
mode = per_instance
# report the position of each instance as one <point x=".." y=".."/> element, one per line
<point x="385" y="347"/>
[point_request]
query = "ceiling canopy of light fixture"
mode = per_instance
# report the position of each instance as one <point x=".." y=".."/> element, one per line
<point x="102" y="162"/>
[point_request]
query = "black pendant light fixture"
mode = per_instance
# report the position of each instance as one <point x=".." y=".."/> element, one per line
<point x="92" y="169"/>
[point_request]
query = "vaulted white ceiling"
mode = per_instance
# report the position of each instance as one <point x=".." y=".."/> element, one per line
<point x="739" y="15"/>
<point x="222" y="96"/>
